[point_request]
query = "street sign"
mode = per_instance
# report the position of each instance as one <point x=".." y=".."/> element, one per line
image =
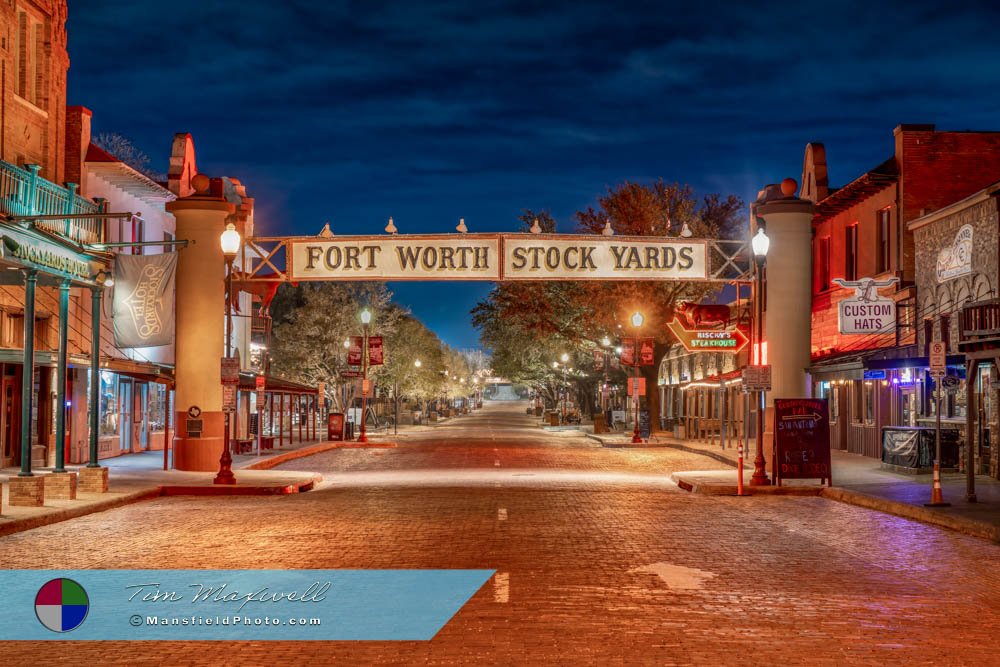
<point x="866" y="312"/>
<point x="950" y="383"/>
<point x="757" y="378"/>
<point x="708" y="340"/>
<point x="229" y="398"/>
<point x="938" y="354"/>
<point x="637" y="385"/>
<point x="230" y="370"/>
<point x="350" y="374"/>
<point x="259" y="383"/>
<point x="321" y="394"/>
<point x="367" y="388"/>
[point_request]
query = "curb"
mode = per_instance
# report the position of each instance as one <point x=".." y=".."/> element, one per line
<point x="20" y="525"/>
<point x="731" y="489"/>
<point x="670" y="445"/>
<point x="959" y="524"/>
<point x="284" y="457"/>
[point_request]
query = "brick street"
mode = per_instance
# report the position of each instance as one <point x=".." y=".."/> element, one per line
<point x="600" y="560"/>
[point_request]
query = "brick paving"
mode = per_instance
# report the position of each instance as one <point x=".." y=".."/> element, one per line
<point x="606" y="564"/>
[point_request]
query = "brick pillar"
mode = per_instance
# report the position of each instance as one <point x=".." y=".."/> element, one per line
<point x="788" y="295"/>
<point x="27" y="491"/>
<point x="201" y="218"/>
<point x="61" y="486"/>
<point x="93" y="480"/>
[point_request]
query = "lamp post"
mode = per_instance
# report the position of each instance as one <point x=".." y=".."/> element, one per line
<point x="417" y="364"/>
<point x="760" y="244"/>
<point x="637" y="320"/>
<point x="366" y="319"/>
<point x="606" y="347"/>
<point x="564" y="358"/>
<point x="230" y="242"/>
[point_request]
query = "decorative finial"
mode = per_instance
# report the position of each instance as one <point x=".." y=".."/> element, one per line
<point x="685" y="231"/>
<point x="461" y="229"/>
<point x="201" y="183"/>
<point x="325" y="232"/>
<point x="535" y="227"/>
<point x="391" y="227"/>
<point x="607" y="231"/>
<point x="788" y="187"/>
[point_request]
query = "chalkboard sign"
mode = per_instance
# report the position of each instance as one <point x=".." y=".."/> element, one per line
<point x="801" y="439"/>
<point x="644" y="424"/>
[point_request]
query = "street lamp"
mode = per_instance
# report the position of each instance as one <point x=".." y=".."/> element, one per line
<point x="760" y="244"/>
<point x="637" y="320"/>
<point x="366" y="319"/>
<point x="230" y="242"/>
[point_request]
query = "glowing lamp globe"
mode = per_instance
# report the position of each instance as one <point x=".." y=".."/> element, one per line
<point x="637" y="319"/>
<point x="760" y="243"/>
<point x="230" y="240"/>
<point x="366" y="316"/>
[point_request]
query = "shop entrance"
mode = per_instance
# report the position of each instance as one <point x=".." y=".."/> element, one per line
<point x="10" y="420"/>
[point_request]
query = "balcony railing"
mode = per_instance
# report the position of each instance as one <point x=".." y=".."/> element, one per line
<point x="24" y="192"/>
<point x="980" y="322"/>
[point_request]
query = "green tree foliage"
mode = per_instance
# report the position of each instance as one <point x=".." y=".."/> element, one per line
<point x="528" y="325"/>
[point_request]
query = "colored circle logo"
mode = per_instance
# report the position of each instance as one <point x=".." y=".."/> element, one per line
<point x="61" y="605"/>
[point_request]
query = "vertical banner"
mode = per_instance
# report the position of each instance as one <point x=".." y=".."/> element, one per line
<point x="143" y="304"/>
<point x="375" y="351"/>
<point x="354" y="357"/>
<point x="646" y="355"/>
<point x="598" y="360"/>
<point x="628" y="352"/>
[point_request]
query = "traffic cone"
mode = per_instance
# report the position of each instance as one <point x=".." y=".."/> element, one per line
<point x="937" y="500"/>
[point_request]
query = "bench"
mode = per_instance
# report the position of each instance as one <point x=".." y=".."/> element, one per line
<point x="709" y="429"/>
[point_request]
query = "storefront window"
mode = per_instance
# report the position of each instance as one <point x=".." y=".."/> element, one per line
<point x="869" y="391"/>
<point x="109" y="403"/>
<point x="157" y="406"/>
<point x="834" y="397"/>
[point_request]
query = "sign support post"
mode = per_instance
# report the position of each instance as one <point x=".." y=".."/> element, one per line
<point x="938" y="352"/>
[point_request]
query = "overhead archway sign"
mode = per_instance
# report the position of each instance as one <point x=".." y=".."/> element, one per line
<point x="495" y="257"/>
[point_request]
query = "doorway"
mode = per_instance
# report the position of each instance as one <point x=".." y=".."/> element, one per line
<point x="10" y="418"/>
<point x="125" y="415"/>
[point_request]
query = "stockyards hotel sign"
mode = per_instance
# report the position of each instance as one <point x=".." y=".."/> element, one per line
<point x="867" y="312"/>
<point x="496" y="257"/>
<point x="143" y="311"/>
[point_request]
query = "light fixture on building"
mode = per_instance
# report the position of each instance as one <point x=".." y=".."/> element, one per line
<point x="325" y="232"/>
<point x="391" y="227"/>
<point x="686" y="231"/>
<point x="535" y="227"/>
<point x="104" y="278"/>
<point x="462" y="229"/>
<point x="607" y="231"/>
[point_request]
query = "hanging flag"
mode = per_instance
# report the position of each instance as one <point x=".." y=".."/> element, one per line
<point x="628" y="352"/>
<point x="646" y="352"/>
<point x="143" y="303"/>
<point x="375" y="351"/>
<point x="354" y="357"/>
<point x="598" y="360"/>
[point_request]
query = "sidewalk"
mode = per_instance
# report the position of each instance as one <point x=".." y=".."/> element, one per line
<point x="136" y="477"/>
<point x="857" y="480"/>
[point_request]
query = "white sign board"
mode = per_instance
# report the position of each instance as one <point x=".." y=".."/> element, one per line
<point x="757" y="378"/>
<point x="452" y="257"/>
<point x="956" y="259"/>
<point x="497" y="257"/>
<point x="866" y="312"/>
<point x="938" y="358"/>
<point x="531" y="257"/>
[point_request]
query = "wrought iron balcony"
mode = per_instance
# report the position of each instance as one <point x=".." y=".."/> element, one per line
<point x="980" y="323"/>
<point x="24" y="192"/>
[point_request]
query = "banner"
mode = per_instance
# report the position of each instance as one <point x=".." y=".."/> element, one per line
<point x="646" y="354"/>
<point x="354" y="357"/>
<point x="628" y="352"/>
<point x="375" y="351"/>
<point x="143" y="304"/>
<point x="598" y="360"/>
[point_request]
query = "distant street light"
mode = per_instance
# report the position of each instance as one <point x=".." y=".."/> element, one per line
<point x="637" y="320"/>
<point x="366" y="318"/>
<point x="230" y="242"/>
<point x="760" y="244"/>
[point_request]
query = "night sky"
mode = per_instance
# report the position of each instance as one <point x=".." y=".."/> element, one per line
<point x="429" y="111"/>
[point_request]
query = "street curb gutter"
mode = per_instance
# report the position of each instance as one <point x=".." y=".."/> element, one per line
<point x="959" y="524"/>
<point x="721" y="458"/>
<point x="273" y="461"/>
<point x="20" y="525"/>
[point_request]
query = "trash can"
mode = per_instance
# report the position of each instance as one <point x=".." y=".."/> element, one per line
<point x="538" y="411"/>
<point x="553" y="418"/>
<point x="599" y="425"/>
<point x="335" y="426"/>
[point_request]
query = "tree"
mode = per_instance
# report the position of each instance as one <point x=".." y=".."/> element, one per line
<point x="525" y="324"/>
<point x="126" y="151"/>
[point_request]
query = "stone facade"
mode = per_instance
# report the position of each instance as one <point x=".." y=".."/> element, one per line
<point x="937" y="297"/>
<point x="60" y="486"/>
<point x="27" y="491"/>
<point x="93" y="480"/>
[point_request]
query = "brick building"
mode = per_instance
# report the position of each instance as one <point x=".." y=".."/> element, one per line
<point x="861" y="231"/>
<point x="33" y="102"/>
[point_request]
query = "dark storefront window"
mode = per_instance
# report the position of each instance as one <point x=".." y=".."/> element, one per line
<point x="823" y="268"/>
